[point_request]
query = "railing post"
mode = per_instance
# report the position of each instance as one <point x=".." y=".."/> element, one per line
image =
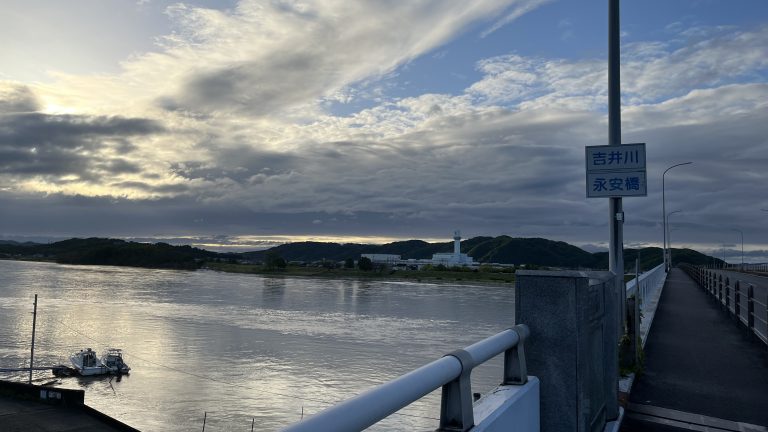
<point x="728" y="294"/>
<point x="456" y="400"/>
<point x="515" y="369"/>
<point x="751" y="307"/>
<point x="737" y="300"/>
<point x="720" y="289"/>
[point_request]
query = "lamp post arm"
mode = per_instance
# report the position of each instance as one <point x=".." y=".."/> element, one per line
<point x="664" y="211"/>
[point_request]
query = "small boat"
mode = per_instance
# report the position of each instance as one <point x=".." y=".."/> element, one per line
<point x="86" y="363"/>
<point x="112" y="359"/>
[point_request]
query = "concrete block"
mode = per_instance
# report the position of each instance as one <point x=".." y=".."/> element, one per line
<point x="573" y="345"/>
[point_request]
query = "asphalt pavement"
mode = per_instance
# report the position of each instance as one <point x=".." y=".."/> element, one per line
<point x="700" y="361"/>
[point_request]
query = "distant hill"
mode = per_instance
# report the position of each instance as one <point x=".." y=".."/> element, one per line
<point x="15" y="243"/>
<point x="105" y="251"/>
<point x="501" y="249"/>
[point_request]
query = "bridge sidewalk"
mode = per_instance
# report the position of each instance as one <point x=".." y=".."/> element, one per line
<point x="699" y="361"/>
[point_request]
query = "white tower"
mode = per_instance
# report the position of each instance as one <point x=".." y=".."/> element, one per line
<point x="457" y="244"/>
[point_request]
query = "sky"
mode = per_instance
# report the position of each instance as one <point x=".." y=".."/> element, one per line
<point x="245" y="124"/>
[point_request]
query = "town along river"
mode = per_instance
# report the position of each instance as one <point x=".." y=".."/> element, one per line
<point x="238" y="346"/>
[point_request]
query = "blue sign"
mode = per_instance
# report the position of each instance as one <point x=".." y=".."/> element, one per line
<point x="616" y="171"/>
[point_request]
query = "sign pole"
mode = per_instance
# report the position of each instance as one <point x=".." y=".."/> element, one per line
<point x="615" y="208"/>
<point x="616" y="213"/>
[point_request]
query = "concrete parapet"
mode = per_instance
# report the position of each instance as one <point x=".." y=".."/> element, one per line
<point x="49" y="395"/>
<point x="574" y="351"/>
<point x="509" y="408"/>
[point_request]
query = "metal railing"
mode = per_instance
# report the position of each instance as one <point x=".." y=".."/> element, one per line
<point x="747" y="302"/>
<point x="451" y="372"/>
<point x="648" y="282"/>
<point x="746" y="267"/>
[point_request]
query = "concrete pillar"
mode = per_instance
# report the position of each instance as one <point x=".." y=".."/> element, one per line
<point x="573" y="348"/>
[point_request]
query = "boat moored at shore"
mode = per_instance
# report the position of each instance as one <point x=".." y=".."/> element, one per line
<point x="87" y="363"/>
<point x="112" y="359"/>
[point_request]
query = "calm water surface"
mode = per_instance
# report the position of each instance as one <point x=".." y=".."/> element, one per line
<point x="241" y="346"/>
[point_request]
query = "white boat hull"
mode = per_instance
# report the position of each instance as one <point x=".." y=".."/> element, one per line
<point x="86" y="363"/>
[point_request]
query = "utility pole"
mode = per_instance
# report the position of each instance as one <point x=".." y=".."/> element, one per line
<point x="32" y="354"/>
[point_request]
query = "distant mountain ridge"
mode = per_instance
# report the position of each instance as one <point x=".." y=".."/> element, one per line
<point x="502" y="249"/>
<point x="106" y="251"/>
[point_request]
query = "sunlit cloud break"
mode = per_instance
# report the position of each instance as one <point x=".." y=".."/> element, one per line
<point x="337" y="121"/>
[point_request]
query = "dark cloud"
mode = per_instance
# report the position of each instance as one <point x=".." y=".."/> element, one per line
<point x="173" y="189"/>
<point x="259" y="88"/>
<point x="241" y="164"/>
<point x="17" y="99"/>
<point x="59" y="145"/>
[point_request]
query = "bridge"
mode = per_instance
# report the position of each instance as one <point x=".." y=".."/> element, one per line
<point x="705" y="334"/>
<point x="706" y="358"/>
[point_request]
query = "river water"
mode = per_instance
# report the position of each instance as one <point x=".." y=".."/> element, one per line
<point x="241" y="347"/>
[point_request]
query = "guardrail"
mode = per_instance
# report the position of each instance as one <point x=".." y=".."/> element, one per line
<point x="451" y="372"/>
<point x="746" y="267"/>
<point x="747" y="302"/>
<point x="648" y="282"/>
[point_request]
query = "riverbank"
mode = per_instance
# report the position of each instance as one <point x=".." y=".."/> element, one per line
<point x="406" y="275"/>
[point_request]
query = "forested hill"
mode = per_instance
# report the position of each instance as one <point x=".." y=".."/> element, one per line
<point x="502" y="249"/>
<point x="105" y="251"/>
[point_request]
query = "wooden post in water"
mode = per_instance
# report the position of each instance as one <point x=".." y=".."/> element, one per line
<point x="32" y="353"/>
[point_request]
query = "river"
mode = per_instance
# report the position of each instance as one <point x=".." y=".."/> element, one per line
<point x="241" y="347"/>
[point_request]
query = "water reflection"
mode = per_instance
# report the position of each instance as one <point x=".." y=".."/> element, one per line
<point x="241" y="346"/>
<point x="273" y="292"/>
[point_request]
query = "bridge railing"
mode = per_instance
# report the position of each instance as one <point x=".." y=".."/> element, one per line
<point x="746" y="301"/>
<point x="451" y="372"/>
<point x="647" y="282"/>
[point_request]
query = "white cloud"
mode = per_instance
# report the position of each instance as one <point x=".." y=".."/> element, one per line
<point x="241" y="99"/>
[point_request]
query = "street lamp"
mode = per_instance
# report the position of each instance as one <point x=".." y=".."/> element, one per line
<point x="669" y="241"/>
<point x="664" y="211"/>
<point x="742" y="246"/>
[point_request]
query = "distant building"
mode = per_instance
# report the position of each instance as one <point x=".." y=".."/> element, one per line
<point x="456" y="258"/>
<point x="387" y="259"/>
<point x="447" y="259"/>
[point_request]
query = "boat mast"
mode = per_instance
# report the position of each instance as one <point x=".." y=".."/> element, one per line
<point x="32" y="354"/>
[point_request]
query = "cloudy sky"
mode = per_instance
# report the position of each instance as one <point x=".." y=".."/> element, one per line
<point x="252" y="122"/>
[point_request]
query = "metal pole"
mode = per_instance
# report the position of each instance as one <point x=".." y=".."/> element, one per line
<point x="669" y="240"/>
<point x="664" y="219"/>
<point x="724" y="262"/>
<point x="664" y="213"/>
<point x="615" y="208"/>
<point x="742" y="246"/>
<point x="32" y="353"/>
